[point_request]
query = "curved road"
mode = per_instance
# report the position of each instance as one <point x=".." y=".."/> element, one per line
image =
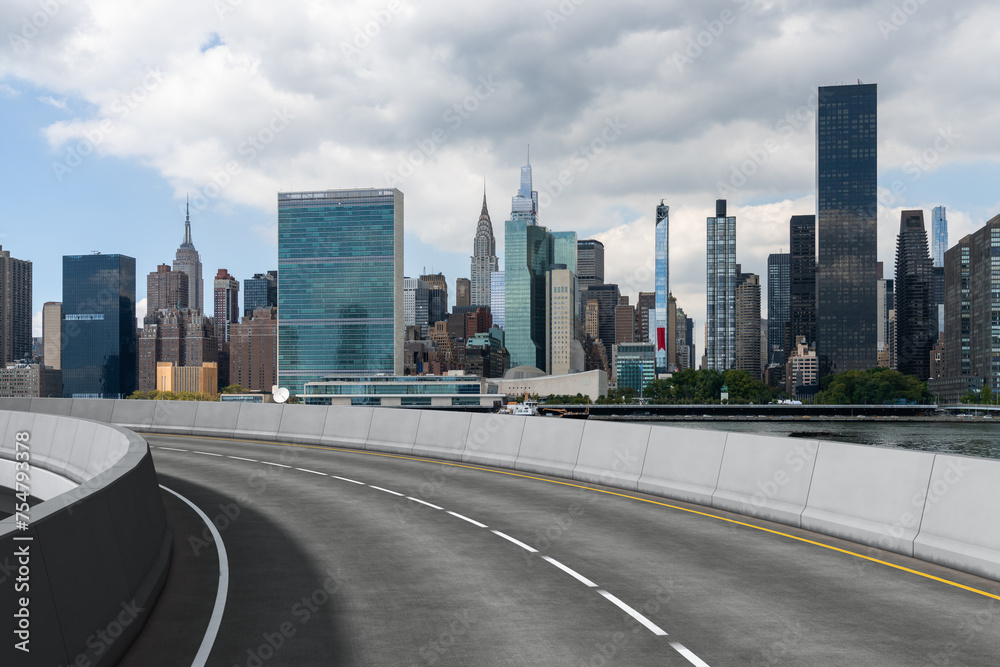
<point x="345" y="557"/>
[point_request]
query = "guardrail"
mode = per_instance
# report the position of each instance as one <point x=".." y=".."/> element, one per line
<point x="81" y="571"/>
<point x="937" y="507"/>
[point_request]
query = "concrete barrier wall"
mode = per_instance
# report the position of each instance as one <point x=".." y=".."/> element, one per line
<point x="683" y="463"/>
<point x="99" y="547"/>
<point x="215" y="419"/>
<point x="885" y="501"/>
<point x="877" y="497"/>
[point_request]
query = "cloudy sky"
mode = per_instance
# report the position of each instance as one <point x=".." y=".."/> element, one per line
<point x="114" y="112"/>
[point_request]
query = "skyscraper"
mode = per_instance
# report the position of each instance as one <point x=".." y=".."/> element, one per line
<point x="52" y="335"/>
<point x="340" y="293"/>
<point x="607" y="296"/>
<point x="846" y="227"/>
<point x="166" y="289"/>
<point x="484" y="258"/>
<point x="416" y="295"/>
<point x="260" y="292"/>
<point x="524" y="205"/>
<point x="15" y="308"/>
<point x="98" y="328"/>
<point x="720" y="313"/>
<point x="915" y="323"/>
<point x="437" y="297"/>
<point x="189" y="261"/>
<point x="645" y="312"/>
<point x="664" y="363"/>
<point x="802" y="278"/>
<point x="560" y="319"/>
<point x="182" y="337"/>
<point x="498" y="298"/>
<point x="747" y="357"/>
<point x="527" y="256"/>
<point x="939" y="235"/>
<point x="779" y="291"/>
<point x="463" y="292"/>
<point x="227" y="313"/>
<point x="253" y="351"/>
<point x="590" y="262"/>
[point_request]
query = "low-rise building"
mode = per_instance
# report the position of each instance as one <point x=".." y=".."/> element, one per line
<point x="453" y="389"/>
<point x="21" y="380"/>
<point x="802" y="368"/>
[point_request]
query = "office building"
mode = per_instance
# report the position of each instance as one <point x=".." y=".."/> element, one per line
<point x="720" y="314"/>
<point x="52" y="336"/>
<point x="846" y="227"/>
<point x="939" y="235"/>
<point x="182" y="337"/>
<point x="453" y="389"/>
<point x="560" y="319"/>
<point x="635" y="365"/>
<point x="437" y="297"/>
<point x="498" y="296"/>
<point x="524" y="205"/>
<point x="527" y="257"/>
<point x="664" y="362"/>
<point x="685" y="340"/>
<point x="644" y="316"/>
<point x="485" y="355"/>
<point x="253" y="351"/>
<point x="592" y="319"/>
<point x="748" y="345"/>
<point x="260" y="292"/>
<point x="624" y="322"/>
<point x="201" y="379"/>
<point x="916" y="329"/>
<point x="802" y="277"/>
<point x="779" y="291"/>
<point x="484" y="259"/>
<point x="885" y="304"/>
<point x="590" y="262"/>
<point x="23" y="380"/>
<point x="340" y="296"/>
<point x="463" y="293"/>
<point x="607" y="297"/>
<point x="165" y="289"/>
<point x="98" y="328"/>
<point x="188" y="260"/>
<point x="802" y="370"/>
<point x="15" y="308"/>
<point x="227" y="313"/>
<point x="416" y="303"/>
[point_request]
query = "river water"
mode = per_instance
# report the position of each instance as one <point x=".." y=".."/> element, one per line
<point x="979" y="438"/>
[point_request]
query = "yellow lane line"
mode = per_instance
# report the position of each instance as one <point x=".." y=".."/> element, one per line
<point x="610" y="493"/>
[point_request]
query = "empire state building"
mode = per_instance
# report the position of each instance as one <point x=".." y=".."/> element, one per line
<point x="189" y="261"/>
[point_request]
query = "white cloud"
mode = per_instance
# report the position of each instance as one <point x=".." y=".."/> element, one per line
<point x="140" y="310"/>
<point x="53" y="102"/>
<point x="36" y="324"/>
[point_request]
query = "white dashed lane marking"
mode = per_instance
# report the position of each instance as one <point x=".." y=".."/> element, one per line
<point x="379" y="488"/>
<point x="423" y="502"/>
<point x="517" y="542"/>
<point x="465" y="518"/>
<point x="652" y="627"/>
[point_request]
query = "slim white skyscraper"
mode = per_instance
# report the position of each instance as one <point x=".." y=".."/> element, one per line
<point x="662" y="283"/>
<point x="484" y="258"/>
<point x="524" y="205"/>
<point x="720" y="344"/>
<point x="497" y="298"/>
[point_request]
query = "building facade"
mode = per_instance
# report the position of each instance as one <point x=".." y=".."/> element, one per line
<point x="527" y="257"/>
<point x="340" y="295"/>
<point x="182" y="337"/>
<point x="560" y="319"/>
<point x="748" y="327"/>
<point x="916" y="325"/>
<point x="52" y="335"/>
<point x="779" y="292"/>
<point x="20" y="380"/>
<point x="661" y="277"/>
<point x="463" y="292"/>
<point x="484" y="259"/>
<point x="188" y="260"/>
<point x="416" y="304"/>
<point x="720" y="313"/>
<point x="98" y="327"/>
<point x="847" y="225"/>
<point x="939" y="235"/>
<point x="253" y="351"/>
<point x="802" y="277"/>
<point x="166" y="288"/>
<point x="498" y="297"/>
<point x="260" y="292"/>
<point x="635" y="365"/>
<point x="608" y="297"/>
<point x="15" y="308"/>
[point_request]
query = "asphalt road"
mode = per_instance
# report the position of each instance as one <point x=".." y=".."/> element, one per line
<point x="334" y="560"/>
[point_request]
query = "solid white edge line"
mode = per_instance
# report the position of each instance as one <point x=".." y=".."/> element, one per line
<point x="315" y="472"/>
<point x="240" y="458"/>
<point x="423" y="502"/>
<point x="280" y="465"/>
<point x="517" y="542"/>
<point x="652" y="627"/>
<point x="379" y="488"/>
<point x="173" y="449"/>
<point x="352" y="481"/>
<point x="465" y="518"/>
<point x="201" y="658"/>
<point x="686" y="652"/>
<point x="205" y="453"/>
<point x="576" y="575"/>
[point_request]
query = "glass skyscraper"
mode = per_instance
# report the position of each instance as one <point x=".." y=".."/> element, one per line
<point x="847" y="227"/>
<point x="662" y="286"/>
<point x="524" y="205"/>
<point x="261" y="291"/>
<point x="498" y="298"/>
<point x="916" y="324"/>
<point x="98" y="327"/>
<point x="527" y="256"/>
<point x="340" y="297"/>
<point x="779" y="290"/>
<point x="802" y="278"/>
<point x="939" y="235"/>
<point x="721" y="285"/>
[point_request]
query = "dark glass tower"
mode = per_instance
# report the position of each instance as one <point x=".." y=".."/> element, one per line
<point x="778" y="306"/>
<point x="98" y="328"/>
<point x="846" y="227"/>
<point x="802" y="278"/>
<point x="720" y="313"/>
<point x="340" y="297"/>
<point x="915" y="322"/>
<point x="261" y="291"/>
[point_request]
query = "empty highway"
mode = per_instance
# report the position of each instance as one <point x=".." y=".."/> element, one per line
<point x="343" y="557"/>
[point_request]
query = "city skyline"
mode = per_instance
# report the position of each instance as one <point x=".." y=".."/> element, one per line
<point x="135" y="178"/>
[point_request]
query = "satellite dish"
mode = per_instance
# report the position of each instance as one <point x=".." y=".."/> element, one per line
<point x="279" y="394"/>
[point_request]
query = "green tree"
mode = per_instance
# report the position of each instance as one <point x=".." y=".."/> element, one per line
<point x="872" y="387"/>
<point x="234" y="389"/>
